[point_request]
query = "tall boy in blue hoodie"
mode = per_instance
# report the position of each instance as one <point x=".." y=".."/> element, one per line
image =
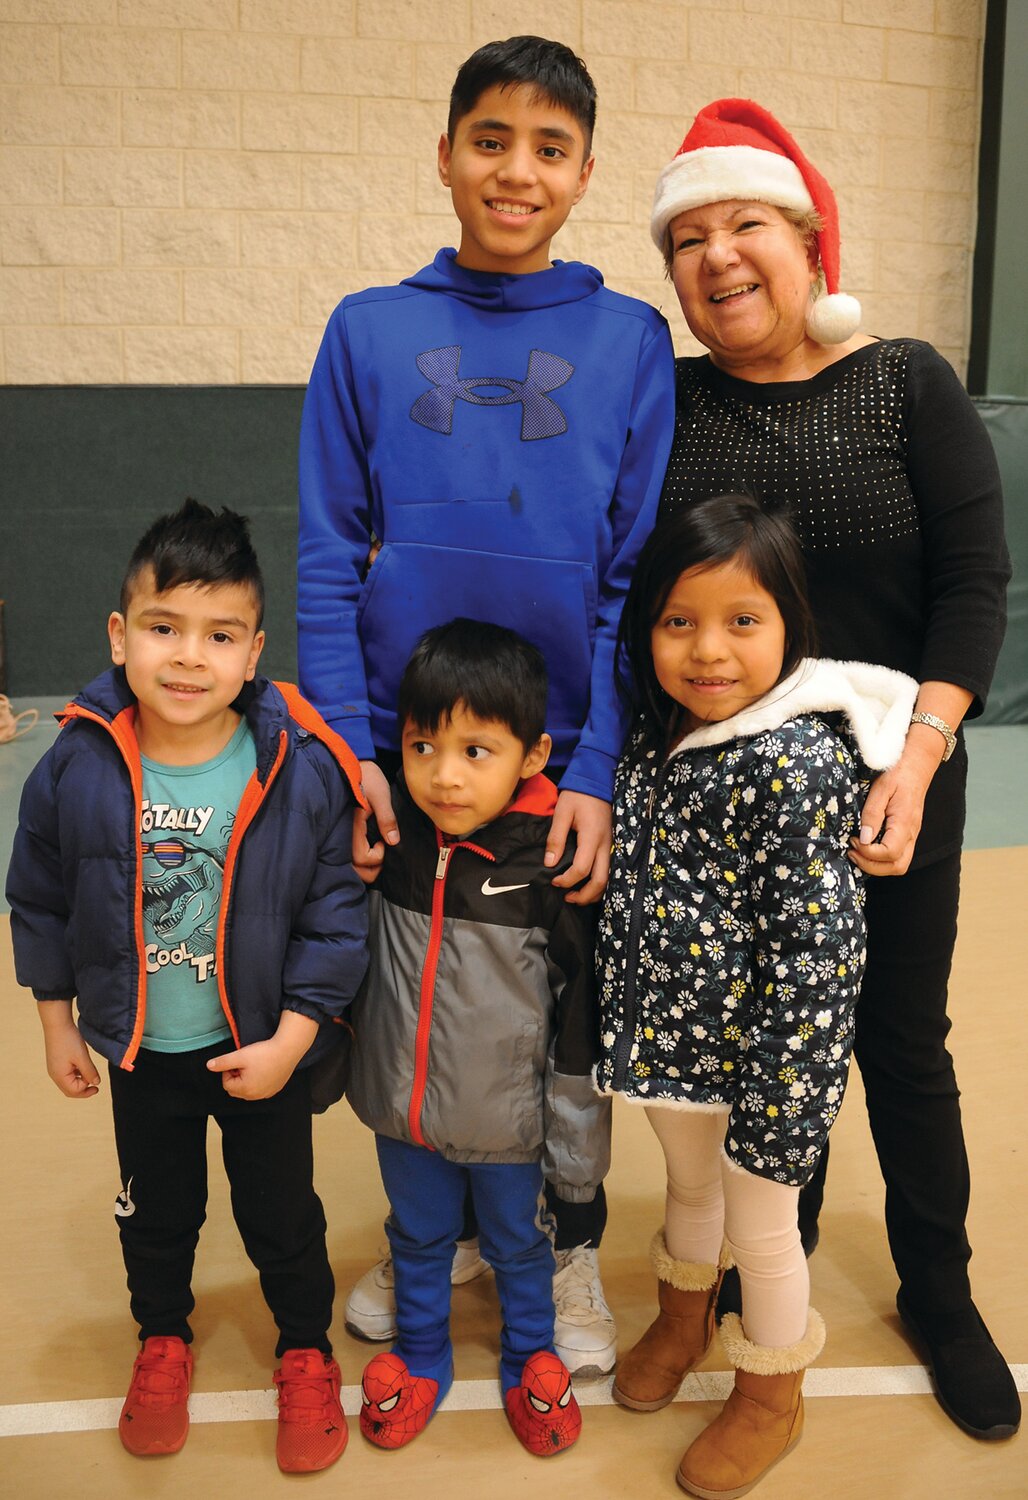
<point x="499" y="423"/>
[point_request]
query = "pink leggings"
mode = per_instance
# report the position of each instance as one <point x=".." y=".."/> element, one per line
<point x="710" y="1200"/>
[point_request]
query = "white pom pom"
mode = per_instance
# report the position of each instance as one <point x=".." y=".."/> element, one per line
<point x="833" y="319"/>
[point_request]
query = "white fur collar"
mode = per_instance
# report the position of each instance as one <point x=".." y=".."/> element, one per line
<point x="877" y="702"/>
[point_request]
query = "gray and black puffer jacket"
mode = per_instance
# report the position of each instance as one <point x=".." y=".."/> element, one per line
<point x="477" y="1027"/>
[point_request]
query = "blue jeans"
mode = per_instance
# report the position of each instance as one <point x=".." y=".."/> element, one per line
<point x="426" y="1195"/>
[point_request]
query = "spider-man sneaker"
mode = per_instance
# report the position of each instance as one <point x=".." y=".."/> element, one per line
<point x="396" y="1405"/>
<point x="311" y="1426"/>
<point x="542" y="1410"/>
<point x="155" y="1417"/>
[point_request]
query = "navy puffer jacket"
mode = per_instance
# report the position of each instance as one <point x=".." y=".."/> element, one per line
<point x="292" y="927"/>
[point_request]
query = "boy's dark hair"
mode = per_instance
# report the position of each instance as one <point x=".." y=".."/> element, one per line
<point x="723" y="529"/>
<point x="492" y="672"/>
<point x="196" y="545"/>
<point x="549" y="68"/>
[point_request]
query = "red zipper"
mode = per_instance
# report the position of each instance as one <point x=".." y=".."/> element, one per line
<point x="426" y="997"/>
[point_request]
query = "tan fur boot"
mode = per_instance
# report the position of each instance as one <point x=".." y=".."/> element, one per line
<point x="762" y="1418"/>
<point x="649" y="1375"/>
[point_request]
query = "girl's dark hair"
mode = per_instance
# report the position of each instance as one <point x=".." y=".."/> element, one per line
<point x="494" y="672"/>
<point x="548" y="68"/>
<point x="723" y="529"/>
<point x="196" y="545"/>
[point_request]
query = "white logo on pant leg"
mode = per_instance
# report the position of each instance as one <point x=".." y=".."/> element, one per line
<point x="488" y="889"/>
<point x="124" y="1208"/>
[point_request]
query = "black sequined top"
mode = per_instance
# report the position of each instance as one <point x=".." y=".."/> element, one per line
<point x="895" y="492"/>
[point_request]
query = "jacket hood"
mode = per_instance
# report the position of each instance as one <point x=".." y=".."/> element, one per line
<point x="261" y="703"/>
<point x="565" y="281"/>
<point x="876" y="701"/>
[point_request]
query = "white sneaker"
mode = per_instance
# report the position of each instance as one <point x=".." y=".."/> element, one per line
<point x="371" y="1305"/>
<point x="584" y="1335"/>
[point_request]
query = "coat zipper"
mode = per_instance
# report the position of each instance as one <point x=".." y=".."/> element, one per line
<point x="135" y="773"/>
<point x="250" y="805"/>
<point x="426" y="995"/>
<point x="641" y="860"/>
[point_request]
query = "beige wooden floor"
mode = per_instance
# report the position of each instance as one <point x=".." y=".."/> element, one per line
<point x="68" y="1338"/>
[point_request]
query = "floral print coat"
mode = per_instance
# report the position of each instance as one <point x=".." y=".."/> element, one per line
<point x="731" y="944"/>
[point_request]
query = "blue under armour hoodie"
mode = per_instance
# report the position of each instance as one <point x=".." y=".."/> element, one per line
<point x="504" y="438"/>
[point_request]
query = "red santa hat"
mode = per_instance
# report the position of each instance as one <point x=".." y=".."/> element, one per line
<point x="737" y="149"/>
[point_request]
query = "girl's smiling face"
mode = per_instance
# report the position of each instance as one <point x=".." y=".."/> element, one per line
<point x="718" y="643"/>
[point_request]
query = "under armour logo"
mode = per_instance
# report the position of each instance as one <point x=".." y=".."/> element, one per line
<point x="540" y="417"/>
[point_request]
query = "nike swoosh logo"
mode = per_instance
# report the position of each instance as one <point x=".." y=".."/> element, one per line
<point x="488" y="889"/>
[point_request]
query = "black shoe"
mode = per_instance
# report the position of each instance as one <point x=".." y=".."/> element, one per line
<point x="973" y="1385"/>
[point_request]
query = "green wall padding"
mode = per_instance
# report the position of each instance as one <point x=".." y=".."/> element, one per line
<point x="83" y="471"/>
<point x="1007" y="422"/>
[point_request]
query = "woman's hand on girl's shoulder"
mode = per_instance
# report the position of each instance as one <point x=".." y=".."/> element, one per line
<point x="891" y="821"/>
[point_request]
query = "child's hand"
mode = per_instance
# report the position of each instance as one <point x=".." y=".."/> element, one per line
<point x="68" y="1059"/>
<point x="254" y="1072"/>
<point x="264" y="1068"/>
<point x="367" y="858"/>
<point x="590" y="817"/>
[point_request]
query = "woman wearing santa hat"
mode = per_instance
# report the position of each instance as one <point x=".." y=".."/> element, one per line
<point x="893" y="487"/>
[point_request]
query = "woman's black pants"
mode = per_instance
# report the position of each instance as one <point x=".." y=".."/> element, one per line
<point x="911" y="1091"/>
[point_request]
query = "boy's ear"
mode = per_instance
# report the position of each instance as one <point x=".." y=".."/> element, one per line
<point x="443" y="159"/>
<point x="255" y="650"/>
<point x="536" y="757"/>
<point x="583" y="179"/>
<point x="116" y="636"/>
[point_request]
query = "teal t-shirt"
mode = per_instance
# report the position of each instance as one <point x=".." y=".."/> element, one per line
<point x="185" y="827"/>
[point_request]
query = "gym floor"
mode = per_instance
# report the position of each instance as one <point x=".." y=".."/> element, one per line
<point x="872" y="1425"/>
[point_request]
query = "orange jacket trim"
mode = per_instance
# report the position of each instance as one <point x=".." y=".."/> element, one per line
<point x="122" y="730"/>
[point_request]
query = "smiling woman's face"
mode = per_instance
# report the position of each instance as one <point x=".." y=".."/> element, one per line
<point x="743" y="276"/>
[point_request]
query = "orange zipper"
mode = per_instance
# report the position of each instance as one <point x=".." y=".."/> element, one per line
<point x="126" y="746"/>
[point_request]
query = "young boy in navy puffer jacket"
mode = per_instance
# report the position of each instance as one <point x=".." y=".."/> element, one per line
<point x="182" y="870"/>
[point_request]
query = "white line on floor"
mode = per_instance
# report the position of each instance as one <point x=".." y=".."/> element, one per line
<point x="32" y="1418"/>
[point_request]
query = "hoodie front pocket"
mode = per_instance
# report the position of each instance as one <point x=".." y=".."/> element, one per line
<point x="414" y="586"/>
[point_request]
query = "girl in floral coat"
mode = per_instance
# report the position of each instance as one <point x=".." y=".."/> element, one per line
<point x="732" y="947"/>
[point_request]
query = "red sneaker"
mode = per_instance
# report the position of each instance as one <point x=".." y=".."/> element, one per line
<point x="155" y="1417"/>
<point x="542" y="1410"/>
<point x="395" y="1405"/>
<point x="311" y="1426"/>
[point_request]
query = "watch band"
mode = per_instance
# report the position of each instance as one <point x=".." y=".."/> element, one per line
<point x="935" y="722"/>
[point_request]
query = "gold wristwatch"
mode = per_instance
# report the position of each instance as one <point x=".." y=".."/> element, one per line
<point x="940" y="724"/>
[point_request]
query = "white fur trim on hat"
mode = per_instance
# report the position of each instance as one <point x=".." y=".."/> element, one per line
<point x="717" y="173"/>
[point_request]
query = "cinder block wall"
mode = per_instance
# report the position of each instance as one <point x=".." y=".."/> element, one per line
<point x="189" y="186"/>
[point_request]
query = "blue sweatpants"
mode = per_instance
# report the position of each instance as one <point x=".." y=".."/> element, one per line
<point x="426" y="1194"/>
